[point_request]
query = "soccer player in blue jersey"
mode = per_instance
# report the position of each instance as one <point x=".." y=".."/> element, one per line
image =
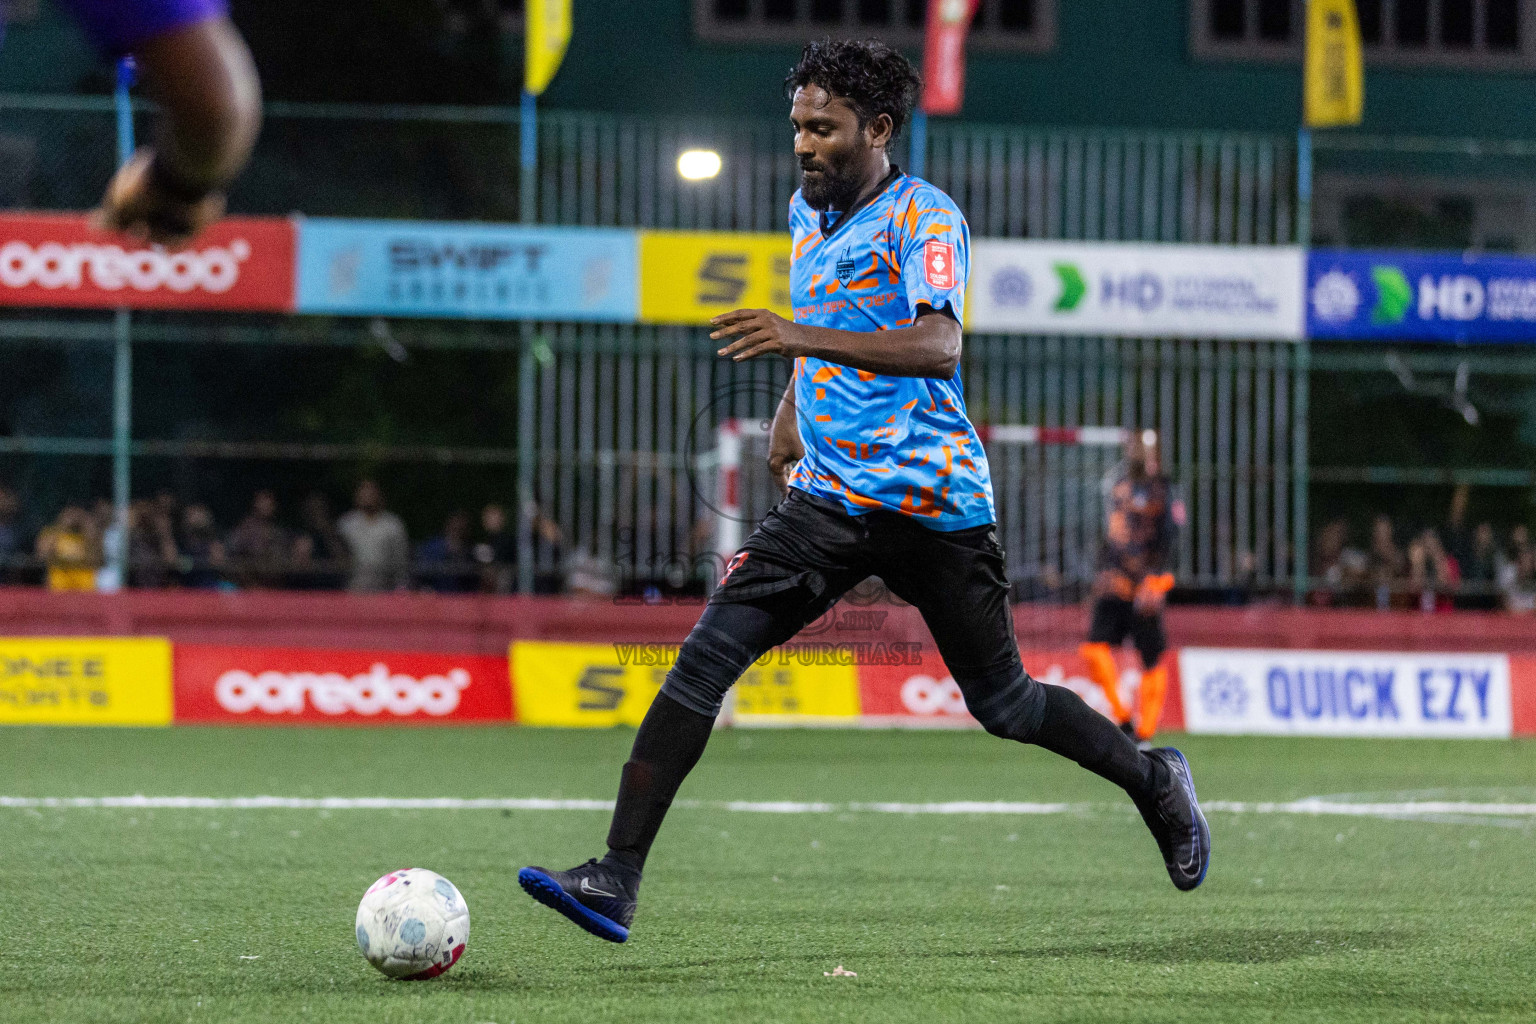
<point x="889" y="479"/>
<point x="196" y="65"/>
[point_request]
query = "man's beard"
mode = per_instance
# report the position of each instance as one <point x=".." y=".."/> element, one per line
<point x="832" y="189"/>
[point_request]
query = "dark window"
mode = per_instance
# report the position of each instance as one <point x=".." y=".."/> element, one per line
<point x="1275" y="20"/>
<point x="875" y="12"/>
<point x="1018" y="15"/>
<point x="1503" y="25"/>
<point x="979" y="20"/>
<point x="1456" y="23"/>
<point x="779" y="10"/>
<point x="1369" y="12"/>
<point x="732" y="10"/>
<point x="827" y="11"/>
<point x="1412" y="22"/>
<point x="1228" y="19"/>
<point x="917" y="12"/>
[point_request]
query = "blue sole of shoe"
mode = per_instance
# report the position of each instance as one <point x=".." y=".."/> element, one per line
<point x="1200" y="823"/>
<point x="548" y="892"/>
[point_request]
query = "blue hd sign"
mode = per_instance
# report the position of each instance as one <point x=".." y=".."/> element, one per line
<point x="477" y="271"/>
<point x="1400" y="296"/>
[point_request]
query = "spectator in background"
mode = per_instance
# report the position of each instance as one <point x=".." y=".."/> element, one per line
<point x="319" y="553"/>
<point x="202" y="555"/>
<point x="10" y="539"/>
<point x="1480" y="572"/>
<point x="70" y="547"/>
<point x="1455" y="537"/>
<point x="1385" y="565"/>
<point x="548" y="550"/>
<point x="1339" y="569"/>
<point x="376" y="541"/>
<point x="1517" y="573"/>
<point x="1433" y="574"/>
<point x="443" y="562"/>
<point x="152" y="551"/>
<point x="259" y="548"/>
<point x="495" y="551"/>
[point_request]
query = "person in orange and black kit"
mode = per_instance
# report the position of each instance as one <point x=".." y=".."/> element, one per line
<point x="1142" y="513"/>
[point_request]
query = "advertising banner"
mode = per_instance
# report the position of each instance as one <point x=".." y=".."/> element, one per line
<point x="1136" y="290"/>
<point x="944" y="54"/>
<point x="686" y="277"/>
<point x="58" y="260"/>
<point x="484" y="271"/>
<point x="1345" y="693"/>
<point x="599" y="685"/>
<point x="1399" y="296"/>
<point x="85" y="681"/>
<point x="285" y="686"/>
<point x="925" y="694"/>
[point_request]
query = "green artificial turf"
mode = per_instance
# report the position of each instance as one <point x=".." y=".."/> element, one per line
<point x="150" y="915"/>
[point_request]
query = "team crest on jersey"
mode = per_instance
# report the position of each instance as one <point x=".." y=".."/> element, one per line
<point x="939" y="264"/>
<point x="845" y="268"/>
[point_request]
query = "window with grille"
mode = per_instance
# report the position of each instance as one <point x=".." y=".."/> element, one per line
<point x="1488" y="34"/>
<point x="1028" y="25"/>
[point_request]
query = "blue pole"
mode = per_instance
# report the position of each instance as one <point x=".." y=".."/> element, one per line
<point x="528" y="120"/>
<point x="527" y="366"/>
<point x="122" y="357"/>
<point x="918" y="164"/>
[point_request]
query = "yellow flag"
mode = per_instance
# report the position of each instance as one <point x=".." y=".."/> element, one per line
<point x="548" y="32"/>
<point x="1335" y="67"/>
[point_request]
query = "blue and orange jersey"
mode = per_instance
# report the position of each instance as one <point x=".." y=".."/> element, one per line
<point x="118" y="26"/>
<point x="873" y="441"/>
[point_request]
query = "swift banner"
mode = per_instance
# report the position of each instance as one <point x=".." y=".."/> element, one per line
<point x="85" y="681"/>
<point x="689" y="276"/>
<point x="598" y="685"/>
<point x="1345" y="693"/>
<point x="1136" y="290"/>
<point x="1398" y="296"/>
<point x="477" y="271"/>
<point x="283" y="686"/>
<point x="58" y="260"/>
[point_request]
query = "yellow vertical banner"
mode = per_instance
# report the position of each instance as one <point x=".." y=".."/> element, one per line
<point x="548" y="31"/>
<point x="85" y="681"/>
<point x="1334" y="77"/>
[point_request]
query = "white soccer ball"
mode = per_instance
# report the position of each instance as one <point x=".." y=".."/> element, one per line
<point x="412" y="924"/>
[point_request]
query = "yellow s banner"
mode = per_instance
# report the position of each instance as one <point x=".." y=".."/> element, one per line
<point x="548" y="27"/>
<point x="598" y="685"/>
<point x="686" y="277"/>
<point x="1335" y="66"/>
<point x="85" y="681"/>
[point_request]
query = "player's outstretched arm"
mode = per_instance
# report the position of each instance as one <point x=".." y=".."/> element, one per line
<point x="210" y="97"/>
<point x="929" y="348"/>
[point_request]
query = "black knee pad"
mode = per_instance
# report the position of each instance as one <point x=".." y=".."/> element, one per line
<point x="708" y="664"/>
<point x="1007" y="701"/>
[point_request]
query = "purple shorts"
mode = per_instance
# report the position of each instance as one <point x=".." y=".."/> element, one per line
<point x="118" y="26"/>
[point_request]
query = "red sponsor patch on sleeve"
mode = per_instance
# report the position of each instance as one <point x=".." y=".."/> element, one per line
<point x="939" y="264"/>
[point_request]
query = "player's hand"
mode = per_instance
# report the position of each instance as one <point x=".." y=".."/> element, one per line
<point x="758" y="332"/>
<point x="136" y="206"/>
<point x="1152" y="593"/>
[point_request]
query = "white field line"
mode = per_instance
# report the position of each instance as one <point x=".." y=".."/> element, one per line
<point x="1309" y="806"/>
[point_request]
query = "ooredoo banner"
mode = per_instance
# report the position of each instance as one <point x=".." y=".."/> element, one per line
<point x="85" y="681"/>
<point x="283" y="686"/>
<point x="57" y="259"/>
<point x="1345" y="693"/>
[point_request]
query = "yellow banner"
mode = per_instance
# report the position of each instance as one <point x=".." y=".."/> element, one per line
<point x="598" y="685"/>
<point x="686" y="277"/>
<point x="1335" y="65"/>
<point x="548" y="31"/>
<point x="85" y="681"/>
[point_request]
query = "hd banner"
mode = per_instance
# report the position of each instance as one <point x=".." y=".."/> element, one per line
<point x="85" y="681"/>
<point x="1136" y="290"/>
<point x="1345" y="693"/>
<point x="1360" y="295"/>
<point x="474" y="271"/>
<point x="58" y="260"/>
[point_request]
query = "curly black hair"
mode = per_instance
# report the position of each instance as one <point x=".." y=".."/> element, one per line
<point x="871" y="76"/>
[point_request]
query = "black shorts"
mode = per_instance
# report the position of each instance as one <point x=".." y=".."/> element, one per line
<point x="1114" y="619"/>
<point x="809" y="551"/>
